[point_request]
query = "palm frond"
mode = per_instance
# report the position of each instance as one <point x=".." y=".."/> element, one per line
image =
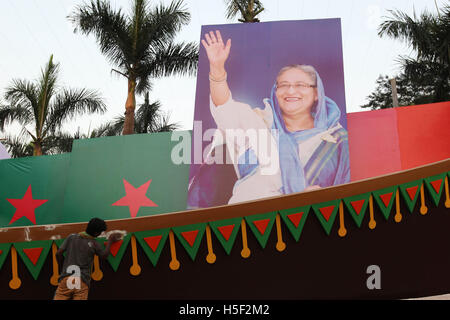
<point x="144" y="82"/>
<point x="22" y="96"/>
<point x="60" y="142"/>
<point x="248" y="10"/>
<point x="17" y="147"/>
<point x="433" y="77"/>
<point x="163" y="23"/>
<point x="416" y="32"/>
<point x="112" y="128"/>
<point x="109" y="27"/>
<point x="73" y="102"/>
<point x="233" y="8"/>
<point x="22" y="92"/>
<point x="148" y="118"/>
<point x="46" y="89"/>
<point x="164" y="124"/>
<point x="9" y="114"/>
<point x="181" y="58"/>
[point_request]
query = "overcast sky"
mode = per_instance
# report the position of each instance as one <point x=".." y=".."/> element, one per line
<point x="32" y="30"/>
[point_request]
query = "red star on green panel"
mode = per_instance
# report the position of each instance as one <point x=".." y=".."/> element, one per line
<point x="135" y="198"/>
<point x="25" y="207"/>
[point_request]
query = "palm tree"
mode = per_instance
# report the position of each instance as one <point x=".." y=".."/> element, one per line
<point x="408" y="93"/>
<point x="248" y="10"/>
<point x="141" y="45"/>
<point x="45" y="106"/>
<point x="429" y="37"/>
<point x="54" y="144"/>
<point x="149" y="118"/>
<point x="18" y="148"/>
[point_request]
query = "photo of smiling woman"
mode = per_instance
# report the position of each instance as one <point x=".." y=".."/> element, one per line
<point x="301" y="122"/>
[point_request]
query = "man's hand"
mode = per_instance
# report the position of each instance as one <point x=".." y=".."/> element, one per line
<point x="114" y="237"/>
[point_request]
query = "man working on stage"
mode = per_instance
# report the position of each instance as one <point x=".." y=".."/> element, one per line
<point x="80" y="249"/>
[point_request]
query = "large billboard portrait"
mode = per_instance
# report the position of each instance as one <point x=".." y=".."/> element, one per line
<point x="270" y="113"/>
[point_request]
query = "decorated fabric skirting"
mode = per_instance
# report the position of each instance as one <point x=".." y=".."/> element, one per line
<point x="33" y="254"/>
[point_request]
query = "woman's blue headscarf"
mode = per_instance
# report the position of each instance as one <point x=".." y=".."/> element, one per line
<point x="326" y="115"/>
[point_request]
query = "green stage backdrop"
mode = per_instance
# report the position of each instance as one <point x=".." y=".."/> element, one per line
<point x="32" y="190"/>
<point x="124" y="177"/>
<point x="110" y="177"/>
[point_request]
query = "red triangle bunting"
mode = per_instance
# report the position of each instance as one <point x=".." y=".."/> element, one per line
<point x="226" y="231"/>
<point x="295" y="218"/>
<point x="33" y="254"/>
<point x="386" y="198"/>
<point x="412" y="192"/>
<point x="190" y="236"/>
<point x="326" y="212"/>
<point x="261" y="225"/>
<point x="436" y="185"/>
<point x="115" y="247"/>
<point x="153" y="242"/>
<point x="357" y="205"/>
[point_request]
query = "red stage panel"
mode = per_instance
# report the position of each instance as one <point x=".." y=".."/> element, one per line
<point x="390" y="140"/>
<point x="424" y="134"/>
<point x="373" y="143"/>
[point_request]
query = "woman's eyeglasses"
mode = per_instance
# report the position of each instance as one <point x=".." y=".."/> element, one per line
<point x="284" y="86"/>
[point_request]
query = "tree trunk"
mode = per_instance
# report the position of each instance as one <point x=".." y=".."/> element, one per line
<point x="130" y="105"/>
<point x="394" y="92"/>
<point x="37" y="148"/>
<point x="147" y="103"/>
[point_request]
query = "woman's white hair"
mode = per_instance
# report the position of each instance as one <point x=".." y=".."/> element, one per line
<point x="310" y="70"/>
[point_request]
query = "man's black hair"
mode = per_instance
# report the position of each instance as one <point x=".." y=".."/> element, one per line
<point x="96" y="226"/>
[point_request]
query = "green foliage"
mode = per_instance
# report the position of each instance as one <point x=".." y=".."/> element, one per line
<point x="46" y="107"/>
<point x="247" y="9"/>
<point x="140" y="45"/>
<point x="424" y="78"/>
<point x="149" y="118"/>
<point x="408" y="93"/>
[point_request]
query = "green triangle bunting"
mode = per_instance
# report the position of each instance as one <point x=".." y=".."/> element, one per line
<point x="190" y="237"/>
<point x="152" y="242"/>
<point x="117" y="250"/>
<point x="4" y="250"/>
<point x="33" y="254"/>
<point x="326" y="212"/>
<point x="435" y="185"/>
<point x="357" y="206"/>
<point x="385" y="199"/>
<point x="226" y="232"/>
<point x="410" y="192"/>
<point x="295" y="219"/>
<point x="261" y="226"/>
